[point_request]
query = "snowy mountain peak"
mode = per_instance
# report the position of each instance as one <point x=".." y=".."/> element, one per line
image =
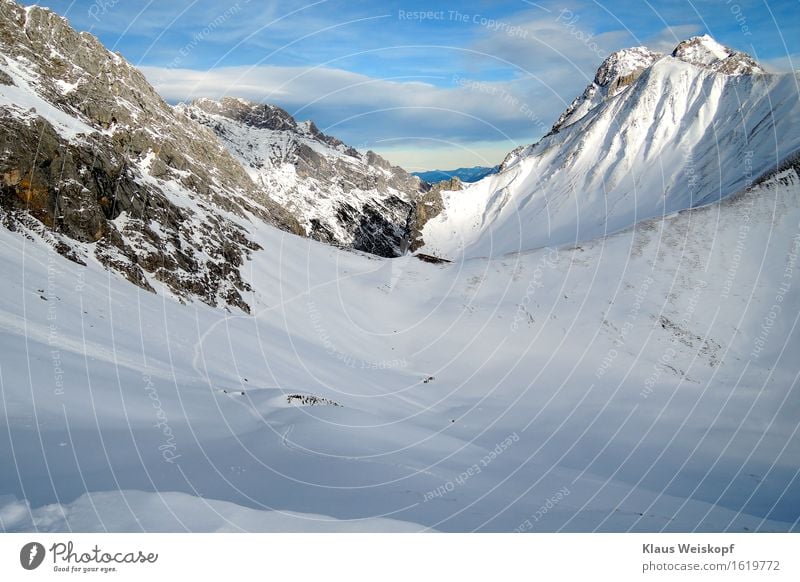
<point x="615" y="74"/>
<point x="705" y="52"/>
<point x="647" y="142"/>
<point x="255" y="115"/>
<point x="621" y="68"/>
<point x="623" y="63"/>
<point x="268" y="117"/>
<point x="701" y="50"/>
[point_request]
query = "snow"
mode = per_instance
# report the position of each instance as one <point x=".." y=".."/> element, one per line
<point x="680" y="137"/>
<point x="126" y="511"/>
<point x="269" y="157"/>
<point x="22" y="99"/>
<point x="434" y="368"/>
<point x="706" y="52"/>
<point x="66" y="88"/>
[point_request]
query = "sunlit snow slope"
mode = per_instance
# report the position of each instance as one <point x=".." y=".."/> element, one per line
<point x="681" y="135"/>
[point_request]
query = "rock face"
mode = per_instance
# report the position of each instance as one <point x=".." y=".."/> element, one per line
<point x="429" y="206"/>
<point x="96" y="163"/>
<point x="339" y="195"/>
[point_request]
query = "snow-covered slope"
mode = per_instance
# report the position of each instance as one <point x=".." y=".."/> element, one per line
<point x="341" y="196"/>
<point x="678" y="136"/>
<point x="134" y="511"/>
<point x="641" y="381"/>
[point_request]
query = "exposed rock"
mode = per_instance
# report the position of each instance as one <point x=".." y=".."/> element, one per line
<point x="310" y="400"/>
<point x="436" y="261"/>
<point x="429" y="206"/>
<point x="93" y="153"/>
<point x="340" y="196"/>
<point x="705" y="52"/>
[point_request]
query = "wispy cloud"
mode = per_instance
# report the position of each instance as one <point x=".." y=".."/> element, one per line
<point x="352" y="105"/>
<point x="785" y="64"/>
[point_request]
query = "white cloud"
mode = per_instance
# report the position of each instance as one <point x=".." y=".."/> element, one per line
<point x="421" y="156"/>
<point x="369" y="112"/>
<point x="786" y="64"/>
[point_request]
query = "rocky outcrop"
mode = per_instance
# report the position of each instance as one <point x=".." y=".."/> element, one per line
<point x="705" y="52"/>
<point x="105" y="167"/>
<point x="429" y="206"/>
<point x="340" y="195"/>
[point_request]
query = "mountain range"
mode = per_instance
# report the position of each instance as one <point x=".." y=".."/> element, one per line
<point x="468" y="175"/>
<point x="339" y="195"/>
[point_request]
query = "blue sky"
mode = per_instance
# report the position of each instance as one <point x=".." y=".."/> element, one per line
<point x="428" y="85"/>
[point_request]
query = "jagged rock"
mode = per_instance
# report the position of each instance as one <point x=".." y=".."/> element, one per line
<point x="340" y="196"/>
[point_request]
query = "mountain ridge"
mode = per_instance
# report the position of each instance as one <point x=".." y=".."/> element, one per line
<point x="670" y="136"/>
<point x="341" y="196"/>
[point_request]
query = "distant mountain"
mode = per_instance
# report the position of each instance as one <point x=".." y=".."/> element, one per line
<point x="340" y="195"/>
<point x="467" y="175"/>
